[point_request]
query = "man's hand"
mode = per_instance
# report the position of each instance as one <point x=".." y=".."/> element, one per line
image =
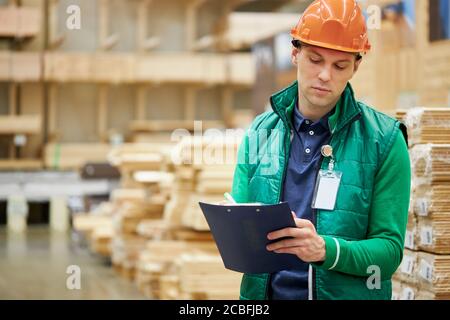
<point x="304" y="241"/>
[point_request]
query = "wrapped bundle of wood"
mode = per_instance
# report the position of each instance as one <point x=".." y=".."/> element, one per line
<point x="435" y="234"/>
<point x="433" y="274"/>
<point x="428" y="125"/>
<point x="430" y="164"/>
<point x="407" y="269"/>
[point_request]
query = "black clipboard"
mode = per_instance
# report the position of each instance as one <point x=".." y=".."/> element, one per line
<point x="240" y="232"/>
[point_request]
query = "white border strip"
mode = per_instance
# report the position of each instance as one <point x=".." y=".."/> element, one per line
<point x="338" y="251"/>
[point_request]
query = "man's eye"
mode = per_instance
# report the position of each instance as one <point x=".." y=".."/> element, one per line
<point x="314" y="60"/>
<point x="340" y="67"/>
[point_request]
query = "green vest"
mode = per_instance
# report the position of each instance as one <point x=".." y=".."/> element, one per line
<point x="361" y="139"/>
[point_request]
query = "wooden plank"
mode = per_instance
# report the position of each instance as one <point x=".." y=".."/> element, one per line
<point x="29" y="22"/>
<point x="204" y="68"/>
<point x="20" y="164"/>
<point x="24" y="124"/>
<point x="9" y="22"/>
<point x="19" y="22"/>
<point x="74" y="155"/>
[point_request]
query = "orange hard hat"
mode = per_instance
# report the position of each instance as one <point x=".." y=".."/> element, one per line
<point x="333" y="24"/>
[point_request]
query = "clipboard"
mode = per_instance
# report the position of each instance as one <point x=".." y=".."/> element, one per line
<point x="240" y="232"/>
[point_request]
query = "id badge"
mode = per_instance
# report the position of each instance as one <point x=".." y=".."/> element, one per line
<point x="326" y="189"/>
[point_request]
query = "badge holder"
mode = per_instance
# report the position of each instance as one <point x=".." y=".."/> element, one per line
<point x="327" y="184"/>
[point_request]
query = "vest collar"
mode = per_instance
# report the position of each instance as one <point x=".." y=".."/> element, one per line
<point x="347" y="109"/>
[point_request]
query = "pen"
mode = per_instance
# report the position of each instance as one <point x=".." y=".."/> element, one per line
<point x="229" y="197"/>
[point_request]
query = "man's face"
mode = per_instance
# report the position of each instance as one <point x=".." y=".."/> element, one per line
<point x="323" y="74"/>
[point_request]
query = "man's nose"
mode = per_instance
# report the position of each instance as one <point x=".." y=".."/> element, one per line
<point x="325" y="74"/>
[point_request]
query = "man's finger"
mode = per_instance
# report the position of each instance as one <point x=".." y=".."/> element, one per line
<point x="288" y="232"/>
<point x="304" y="223"/>
<point x="286" y="243"/>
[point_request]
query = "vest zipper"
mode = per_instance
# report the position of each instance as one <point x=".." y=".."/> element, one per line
<point x="314" y="289"/>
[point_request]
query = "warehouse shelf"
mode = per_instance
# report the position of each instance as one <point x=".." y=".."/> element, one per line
<point x="184" y="68"/>
<point x="19" y="22"/>
<point x="20" y="124"/>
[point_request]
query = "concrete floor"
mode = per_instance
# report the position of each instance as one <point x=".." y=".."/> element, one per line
<point x="33" y="266"/>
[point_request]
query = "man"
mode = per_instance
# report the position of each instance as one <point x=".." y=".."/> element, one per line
<point x="351" y="249"/>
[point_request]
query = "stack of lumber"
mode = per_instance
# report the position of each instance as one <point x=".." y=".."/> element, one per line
<point x="435" y="234"/>
<point x="431" y="164"/>
<point x="203" y="277"/>
<point x="182" y="188"/>
<point x="203" y="172"/>
<point x="96" y="228"/>
<point x="396" y="289"/>
<point x="134" y="157"/>
<point x="212" y="182"/>
<point x="432" y="201"/>
<point x="433" y="274"/>
<point x="407" y="270"/>
<point x="157" y="258"/>
<point x="412" y="235"/>
<point x="428" y="125"/>
<point x="127" y="243"/>
<point x="125" y="253"/>
<point x="139" y="203"/>
<point x="422" y="274"/>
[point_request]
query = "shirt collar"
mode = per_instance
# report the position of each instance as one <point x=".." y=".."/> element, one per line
<point x="300" y="120"/>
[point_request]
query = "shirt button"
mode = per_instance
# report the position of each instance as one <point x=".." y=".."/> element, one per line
<point x="311" y="133"/>
<point x="308" y="150"/>
<point x="307" y="121"/>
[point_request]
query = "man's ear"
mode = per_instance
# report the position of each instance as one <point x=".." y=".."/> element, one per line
<point x="357" y="63"/>
<point x="294" y="54"/>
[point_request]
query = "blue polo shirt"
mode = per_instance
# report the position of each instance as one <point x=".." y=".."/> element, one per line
<point x="298" y="189"/>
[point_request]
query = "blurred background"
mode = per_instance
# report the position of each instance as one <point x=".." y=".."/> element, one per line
<point x="98" y="97"/>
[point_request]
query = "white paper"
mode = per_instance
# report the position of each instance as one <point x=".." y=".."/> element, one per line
<point x="409" y="240"/>
<point x="326" y="192"/>
<point x="422" y="206"/>
<point x="407" y="264"/>
<point x="426" y="270"/>
<point x="426" y="236"/>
